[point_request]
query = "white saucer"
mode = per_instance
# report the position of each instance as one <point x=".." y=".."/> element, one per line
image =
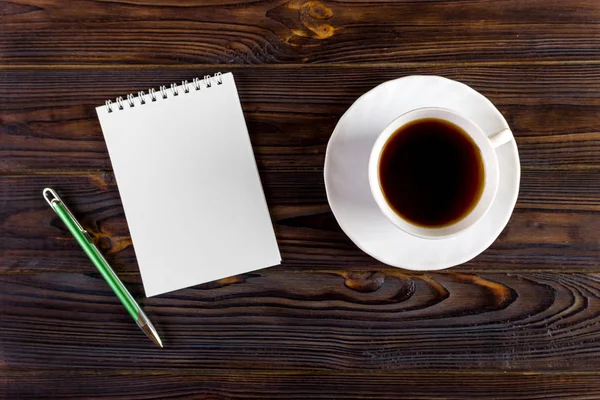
<point x="347" y="184"/>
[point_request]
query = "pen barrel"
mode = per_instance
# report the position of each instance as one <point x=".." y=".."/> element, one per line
<point x="99" y="262"/>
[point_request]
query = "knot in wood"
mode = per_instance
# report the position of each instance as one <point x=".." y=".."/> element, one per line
<point x="364" y="282"/>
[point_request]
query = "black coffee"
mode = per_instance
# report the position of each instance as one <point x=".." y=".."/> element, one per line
<point x="431" y="173"/>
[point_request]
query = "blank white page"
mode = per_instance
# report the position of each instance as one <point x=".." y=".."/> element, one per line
<point x="189" y="185"/>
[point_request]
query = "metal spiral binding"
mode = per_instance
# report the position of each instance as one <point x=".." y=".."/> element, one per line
<point x="175" y="90"/>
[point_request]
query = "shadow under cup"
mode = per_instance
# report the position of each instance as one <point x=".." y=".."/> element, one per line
<point x="432" y="154"/>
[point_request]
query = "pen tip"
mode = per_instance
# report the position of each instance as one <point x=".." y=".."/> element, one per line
<point x="151" y="333"/>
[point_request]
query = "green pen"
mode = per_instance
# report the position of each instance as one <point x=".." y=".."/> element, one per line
<point x="85" y="241"/>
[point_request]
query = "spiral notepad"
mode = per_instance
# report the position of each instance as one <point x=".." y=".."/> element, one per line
<point x="189" y="184"/>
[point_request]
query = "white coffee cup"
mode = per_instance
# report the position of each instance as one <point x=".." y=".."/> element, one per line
<point x="486" y="145"/>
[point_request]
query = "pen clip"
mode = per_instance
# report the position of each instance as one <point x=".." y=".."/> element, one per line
<point x="53" y="198"/>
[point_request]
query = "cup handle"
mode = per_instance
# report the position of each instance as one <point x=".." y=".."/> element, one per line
<point x="500" y="138"/>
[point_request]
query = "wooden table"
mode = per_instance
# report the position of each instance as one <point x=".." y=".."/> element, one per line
<point x="522" y="320"/>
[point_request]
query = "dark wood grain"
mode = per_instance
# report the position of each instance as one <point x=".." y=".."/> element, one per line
<point x="519" y="321"/>
<point x="555" y="225"/>
<point x="30" y="384"/>
<point x="49" y="118"/>
<point x="297" y="31"/>
<point x="331" y="319"/>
